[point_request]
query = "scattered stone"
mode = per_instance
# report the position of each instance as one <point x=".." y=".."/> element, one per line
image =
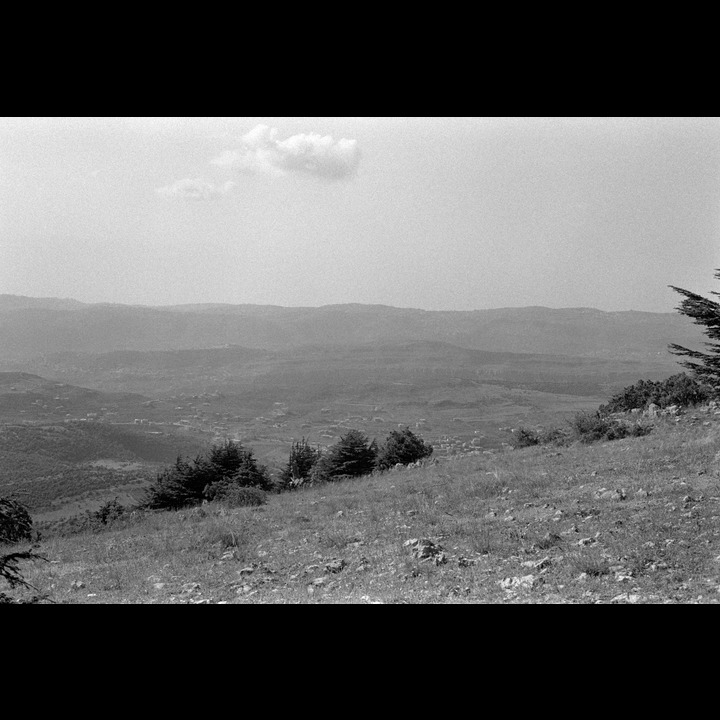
<point x="426" y="550"/>
<point x="605" y="494"/>
<point x="370" y="601"/>
<point x="246" y="571"/>
<point x="77" y="585"/>
<point x="586" y="541"/>
<point x="571" y="530"/>
<point x="491" y="515"/>
<point x="642" y="493"/>
<point x="319" y="581"/>
<point x="335" y="566"/>
<point x="159" y="585"/>
<point x="464" y="562"/>
<point x="243" y="589"/>
<point x="625" y="597"/>
<point x="190" y="587"/>
<point x="525" y="581"/>
<point x="538" y="564"/>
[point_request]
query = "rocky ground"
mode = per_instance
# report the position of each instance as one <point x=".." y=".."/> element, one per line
<point x="630" y="521"/>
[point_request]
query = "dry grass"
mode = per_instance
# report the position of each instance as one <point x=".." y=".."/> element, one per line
<point x="535" y="525"/>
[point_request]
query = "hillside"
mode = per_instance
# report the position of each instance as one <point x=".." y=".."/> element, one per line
<point x="629" y="521"/>
<point x="32" y="326"/>
<point x="62" y="468"/>
<point x="27" y="397"/>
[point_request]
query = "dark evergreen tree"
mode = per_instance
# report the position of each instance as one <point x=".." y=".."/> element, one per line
<point x="704" y="365"/>
<point x="15" y="526"/>
<point x="352" y="455"/>
<point x="15" y="521"/>
<point x="226" y="458"/>
<point x="206" y="477"/>
<point x="303" y="458"/>
<point x="404" y="447"/>
<point x="251" y="474"/>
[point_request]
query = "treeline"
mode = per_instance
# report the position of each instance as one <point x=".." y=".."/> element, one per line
<point x="230" y="472"/>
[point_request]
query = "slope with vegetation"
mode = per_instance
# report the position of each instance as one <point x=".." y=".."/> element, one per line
<point x="634" y="520"/>
<point x="617" y="509"/>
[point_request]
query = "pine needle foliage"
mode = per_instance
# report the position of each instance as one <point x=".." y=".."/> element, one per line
<point x="189" y="482"/>
<point x="15" y="526"/>
<point x="15" y="521"/>
<point x="402" y="447"/>
<point x="303" y="458"/>
<point x="351" y="456"/>
<point x="705" y="366"/>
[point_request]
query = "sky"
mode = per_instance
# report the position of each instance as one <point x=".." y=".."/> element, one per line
<point x="432" y="213"/>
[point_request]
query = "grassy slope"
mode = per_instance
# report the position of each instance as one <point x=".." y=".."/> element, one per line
<point x="654" y="549"/>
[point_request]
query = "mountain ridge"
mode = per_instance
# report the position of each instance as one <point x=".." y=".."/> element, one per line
<point x="30" y="327"/>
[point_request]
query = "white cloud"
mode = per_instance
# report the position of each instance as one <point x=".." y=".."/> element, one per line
<point x="311" y="153"/>
<point x="195" y="189"/>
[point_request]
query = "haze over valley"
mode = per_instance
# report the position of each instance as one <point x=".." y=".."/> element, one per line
<point x="169" y="384"/>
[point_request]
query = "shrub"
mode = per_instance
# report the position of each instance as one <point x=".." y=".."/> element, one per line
<point x="302" y="460"/>
<point x="15" y="521"/>
<point x="524" y="437"/>
<point x="189" y="482"/>
<point x="15" y="526"/>
<point x="109" y="512"/>
<point x="678" y="389"/>
<point x="352" y="455"/>
<point x="590" y="427"/>
<point x="404" y="447"/>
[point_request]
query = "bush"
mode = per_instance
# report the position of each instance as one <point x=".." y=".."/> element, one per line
<point x="15" y="526"/>
<point x="352" y="455"/>
<point x="590" y="427"/>
<point x="15" y="521"/>
<point x="109" y="512"/>
<point x="404" y="447"/>
<point x="301" y="462"/>
<point x="189" y="482"/>
<point x="678" y="389"/>
<point x="524" y="437"/>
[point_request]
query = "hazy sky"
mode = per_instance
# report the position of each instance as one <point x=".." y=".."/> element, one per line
<point x="433" y="213"/>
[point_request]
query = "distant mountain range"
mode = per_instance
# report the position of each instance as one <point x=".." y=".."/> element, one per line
<point x="31" y="327"/>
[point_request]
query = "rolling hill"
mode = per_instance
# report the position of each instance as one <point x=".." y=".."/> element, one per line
<point x="31" y="326"/>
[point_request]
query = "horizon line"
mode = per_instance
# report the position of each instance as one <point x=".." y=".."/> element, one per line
<point x="171" y="306"/>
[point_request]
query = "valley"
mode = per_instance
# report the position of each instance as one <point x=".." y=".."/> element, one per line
<point x="78" y="427"/>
